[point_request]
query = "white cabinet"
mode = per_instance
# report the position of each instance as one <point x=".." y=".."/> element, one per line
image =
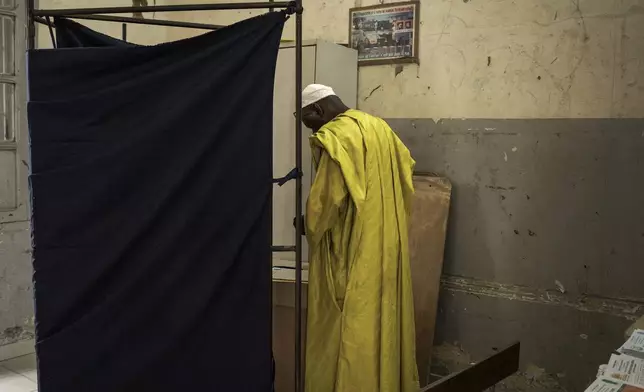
<point x="324" y="63"/>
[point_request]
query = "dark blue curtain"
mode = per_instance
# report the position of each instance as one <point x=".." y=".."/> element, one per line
<point x="151" y="179"/>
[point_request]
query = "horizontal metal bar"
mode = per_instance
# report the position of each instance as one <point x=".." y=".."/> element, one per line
<point x="281" y="248"/>
<point x="162" y="8"/>
<point x="41" y="20"/>
<point x="152" y="22"/>
<point x="124" y="19"/>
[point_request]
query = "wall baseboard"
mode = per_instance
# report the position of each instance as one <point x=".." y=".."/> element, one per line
<point x="17" y="349"/>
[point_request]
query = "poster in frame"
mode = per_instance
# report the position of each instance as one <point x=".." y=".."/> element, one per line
<point x="385" y="33"/>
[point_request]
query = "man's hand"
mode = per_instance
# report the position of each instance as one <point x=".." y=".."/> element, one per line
<point x="302" y="223"/>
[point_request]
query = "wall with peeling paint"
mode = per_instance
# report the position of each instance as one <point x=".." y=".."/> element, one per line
<point x="16" y="308"/>
<point x="547" y="58"/>
<point x="545" y="240"/>
<point x="552" y="58"/>
<point x="16" y="303"/>
<point x="546" y="235"/>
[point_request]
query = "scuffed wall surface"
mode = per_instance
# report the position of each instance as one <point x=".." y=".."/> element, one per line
<point x="537" y="202"/>
<point x="16" y="295"/>
<point x="478" y="59"/>
<point x="495" y="59"/>
<point x="545" y="241"/>
<point x="560" y="349"/>
<point x="509" y="59"/>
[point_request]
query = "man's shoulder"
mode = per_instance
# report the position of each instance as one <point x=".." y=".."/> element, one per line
<point x="359" y="114"/>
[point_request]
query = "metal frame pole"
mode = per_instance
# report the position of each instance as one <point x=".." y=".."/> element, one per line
<point x="299" y="379"/>
<point x="163" y="8"/>
<point x="147" y="22"/>
<point x="50" y="24"/>
<point x="31" y="25"/>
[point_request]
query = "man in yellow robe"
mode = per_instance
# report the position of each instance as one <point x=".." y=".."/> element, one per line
<point x="360" y="328"/>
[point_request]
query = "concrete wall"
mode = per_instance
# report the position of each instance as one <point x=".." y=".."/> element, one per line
<point x="545" y="241"/>
<point x="16" y="314"/>
<point x="546" y="237"/>
<point x="16" y="290"/>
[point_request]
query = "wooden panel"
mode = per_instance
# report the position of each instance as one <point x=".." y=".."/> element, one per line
<point x="482" y="375"/>
<point x="284" y="346"/>
<point x="427" y="242"/>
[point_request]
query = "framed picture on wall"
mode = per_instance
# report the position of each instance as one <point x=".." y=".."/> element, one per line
<point x="385" y="33"/>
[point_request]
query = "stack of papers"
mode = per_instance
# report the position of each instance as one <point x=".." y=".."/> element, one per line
<point x="625" y="370"/>
<point x="634" y="346"/>
<point x="608" y="385"/>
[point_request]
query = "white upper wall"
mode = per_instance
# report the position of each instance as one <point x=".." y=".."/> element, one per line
<point x="548" y="58"/>
<point x="144" y="35"/>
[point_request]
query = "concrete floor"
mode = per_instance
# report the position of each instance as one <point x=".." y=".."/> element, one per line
<point x="19" y="374"/>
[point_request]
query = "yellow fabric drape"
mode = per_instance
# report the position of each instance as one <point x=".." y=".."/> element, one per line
<point x="360" y="328"/>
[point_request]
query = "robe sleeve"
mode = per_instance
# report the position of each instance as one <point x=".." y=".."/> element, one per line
<point x="327" y="195"/>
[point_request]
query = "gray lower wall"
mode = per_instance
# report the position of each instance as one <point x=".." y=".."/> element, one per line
<point x="16" y="292"/>
<point x="545" y="241"/>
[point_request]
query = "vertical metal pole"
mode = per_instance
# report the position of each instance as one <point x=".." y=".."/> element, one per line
<point x="50" y="25"/>
<point x="299" y="380"/>
<point x="124" y="32"/>
<point x="270" y="264"/>
<point x="31" y="25"/>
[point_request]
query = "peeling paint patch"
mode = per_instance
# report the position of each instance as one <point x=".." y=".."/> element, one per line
<point x="560" y="287"/>
<point x="14" y="334"/>
<point x="500" y="188"/>
<point x="582" y="302"/>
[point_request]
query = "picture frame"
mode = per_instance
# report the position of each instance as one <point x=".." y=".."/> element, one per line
<point x="385" y="33"/>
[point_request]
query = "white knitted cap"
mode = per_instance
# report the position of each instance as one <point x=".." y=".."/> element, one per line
<point x="315" y="92"/>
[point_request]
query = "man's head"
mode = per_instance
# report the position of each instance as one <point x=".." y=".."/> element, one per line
<point x="320" y="105"/>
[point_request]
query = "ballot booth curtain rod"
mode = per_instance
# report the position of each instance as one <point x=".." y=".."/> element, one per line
<point x="35" y="15"/>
